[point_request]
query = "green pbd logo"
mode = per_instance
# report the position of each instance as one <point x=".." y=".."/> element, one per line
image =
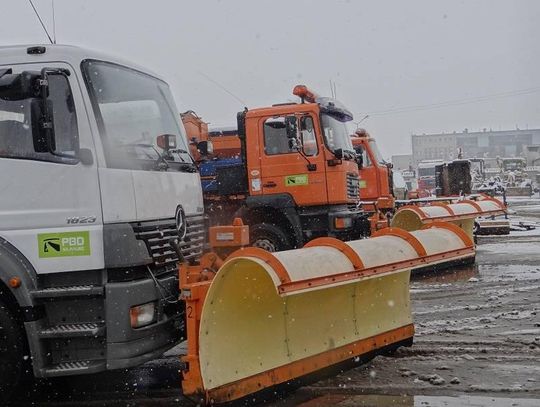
<point x="64" y="244"/>
<point x="295" y="180"/>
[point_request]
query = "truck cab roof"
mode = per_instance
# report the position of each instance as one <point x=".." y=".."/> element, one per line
<point x="70" y="54"/>
<point x="281" y="109"/>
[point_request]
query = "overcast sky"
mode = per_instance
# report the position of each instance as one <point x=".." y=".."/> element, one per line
<point x="413" y="66"/>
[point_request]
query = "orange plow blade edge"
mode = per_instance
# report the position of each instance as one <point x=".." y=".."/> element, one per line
<point x="266" y="319"/>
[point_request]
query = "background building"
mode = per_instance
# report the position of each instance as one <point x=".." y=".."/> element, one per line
<point x="486" y="143"/>
<point x="532" y="154"/>
<point x="402" y="162"/>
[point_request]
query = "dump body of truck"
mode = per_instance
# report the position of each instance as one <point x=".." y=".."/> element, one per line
<point x="90" y="211"/>
<point x="287" y="170"/>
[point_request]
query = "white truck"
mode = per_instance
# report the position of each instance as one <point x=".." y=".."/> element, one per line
<point x="99" y="199"/>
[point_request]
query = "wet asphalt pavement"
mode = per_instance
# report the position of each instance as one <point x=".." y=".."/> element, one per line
<point x="477" y="343"/>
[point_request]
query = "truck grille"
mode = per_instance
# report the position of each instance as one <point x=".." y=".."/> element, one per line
<point x="353" y="187"/>
<point x="157" y="234"/>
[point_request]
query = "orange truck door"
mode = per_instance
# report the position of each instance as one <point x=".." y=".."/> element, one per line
<point x="292" y="162"/>
<point x="369" y="182"/>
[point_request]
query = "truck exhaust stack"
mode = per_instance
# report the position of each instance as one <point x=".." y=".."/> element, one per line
<point x="266" y="319"/>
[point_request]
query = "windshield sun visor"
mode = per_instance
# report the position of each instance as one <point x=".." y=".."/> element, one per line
<point x="335" y="108"/>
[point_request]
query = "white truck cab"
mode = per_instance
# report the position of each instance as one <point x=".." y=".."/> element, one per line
<point x="99" y="200"/>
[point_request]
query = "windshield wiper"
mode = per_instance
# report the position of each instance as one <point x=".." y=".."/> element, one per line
<point x="187" y="167"/>
<point x="349" y="154"/>
<point x="184" y="165"/>
<point x="161" y="163"/>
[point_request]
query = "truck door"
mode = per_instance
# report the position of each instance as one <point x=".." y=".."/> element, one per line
<point x="292" y="161"/>
<point x="50" y="208"/>
<point x="369" y="185"/>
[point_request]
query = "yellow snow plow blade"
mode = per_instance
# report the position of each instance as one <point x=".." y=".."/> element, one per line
<point x="269" y="318"/>
<point x="462" y="214"/>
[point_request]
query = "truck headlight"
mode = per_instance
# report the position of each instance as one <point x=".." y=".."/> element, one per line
<point x="343" y="223"/>
<point x="142" y="315"/>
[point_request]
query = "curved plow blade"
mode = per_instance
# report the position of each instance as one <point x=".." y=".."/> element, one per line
<point x="270" y="318"/>
<point x="462" y="214"/>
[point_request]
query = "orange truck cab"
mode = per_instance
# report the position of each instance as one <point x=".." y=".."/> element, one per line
<point x="288" y="171"/>
<point x="376" y="186"/>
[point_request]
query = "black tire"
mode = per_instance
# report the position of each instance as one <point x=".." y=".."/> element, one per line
<point x="269" y="237"/>
<point x="13" y="366"/>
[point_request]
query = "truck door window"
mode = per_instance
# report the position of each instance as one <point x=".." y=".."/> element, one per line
<point x="15" y="124"/>
<point x="307" y="134"/>
<point x="376" y="153"/>
<point x="366" y="162"/>
<point x="276" y="140"/>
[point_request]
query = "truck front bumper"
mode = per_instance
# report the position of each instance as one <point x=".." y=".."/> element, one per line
<point x="128" y="346"/>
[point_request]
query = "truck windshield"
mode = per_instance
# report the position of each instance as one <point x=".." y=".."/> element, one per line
<point x="336" y="134"/>
<point x="132" y="109"/>
<point x="376" y="153"/>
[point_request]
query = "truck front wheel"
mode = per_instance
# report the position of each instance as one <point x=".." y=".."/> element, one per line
<point x="269" y="237"/>
<point x="12" y="352"/>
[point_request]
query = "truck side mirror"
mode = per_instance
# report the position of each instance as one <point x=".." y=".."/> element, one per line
<point x="338" y="152"/>
<point x="294" y="144"/>
<point x="42" y="131"/>
<point x="360" y="161"/>
<point x="205" y="147"/>
<point x="359" y="150"/>
<point x="291" y="127"/>
<point x="166" y="142"/>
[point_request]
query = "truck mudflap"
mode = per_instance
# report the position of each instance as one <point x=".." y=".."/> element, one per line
<point x="268" y="319"/>
<point x="462" y="213"/>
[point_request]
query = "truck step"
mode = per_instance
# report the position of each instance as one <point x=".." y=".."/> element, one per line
<point x="73" y="330"/>
<point x="74" y="368"/>
<point x="68" y="291"/>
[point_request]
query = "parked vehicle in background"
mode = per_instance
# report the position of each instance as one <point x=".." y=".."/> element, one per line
<point x="376" y="180"/>
<point x="288" y="171"/>
<point x="426" y="175"/>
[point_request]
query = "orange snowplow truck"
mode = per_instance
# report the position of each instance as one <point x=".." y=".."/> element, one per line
<point x="375" y="174"/>
<point x="288" y="171"/>
<point x="376" y="184"/>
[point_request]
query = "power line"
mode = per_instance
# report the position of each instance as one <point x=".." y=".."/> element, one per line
<point x="454" y="102"/>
